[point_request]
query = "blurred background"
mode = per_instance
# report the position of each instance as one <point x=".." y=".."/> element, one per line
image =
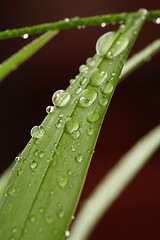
<point x="134" y="110"/>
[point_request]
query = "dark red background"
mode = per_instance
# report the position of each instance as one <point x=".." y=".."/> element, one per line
<point x="134" y="110"/>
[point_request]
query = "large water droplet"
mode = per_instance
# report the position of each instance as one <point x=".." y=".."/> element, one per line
<point x="97" y="76"/>
<point x="60" y="98"/>
<point x="71" y="125"/>
<point x="37" y="131"/>
<point x="112" y="42"/>
<point x="87" y="97"/>
<point x="62" y="181"/>
<point x="79" y="158"/>
<point x="107" y="87"/>
<point x="93" y="117"/>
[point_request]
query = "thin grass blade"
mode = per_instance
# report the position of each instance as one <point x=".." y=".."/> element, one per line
<point x="22" y="55"/>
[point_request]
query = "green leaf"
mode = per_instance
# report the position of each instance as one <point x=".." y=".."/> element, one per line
<point x="109" y="189"/>
<point x="43" y="190"/>
<point x="22" y="55"/>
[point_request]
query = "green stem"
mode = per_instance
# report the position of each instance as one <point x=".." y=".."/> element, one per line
<point x="141" y="57"/>
<point x="113" y="184"/>
<point x="22" y="55"/>
<point x="73" y="23"/>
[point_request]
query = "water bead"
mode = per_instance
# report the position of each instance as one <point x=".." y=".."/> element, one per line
<point x="71" y="125"/>
<point x="157" y="21"/>
<point x="90" y="131"/>
<point x="83" y="68"/>
<point x="78" y="90"/>
<point x="11" y="190"/>
<point x="49" y="109"/>
<point x="25" y="36"/>
<point x="76" y="134"/>
<point x="87" y="97"/>
<point x="20" y="171"/>
<point x="67" y="233"/>
<point x="32" y="218"/>
<point x="103" y="24"/>
<point x="106" y="88"/>
<point x="17" y="158"/>
<point x="41" y="154"/>
<point x="97" y="76"/>
<point x="79" y="158"/>
<point x="60" y="98"/>
<point x="60" y="213"/>
<point x="62" y="181"/>
<point x="90" y="62"/>
<point x="71" y="81"/>
<point x="93" y="117"/>
<point x="37" y="131"/>
<point x="83" y="81"/>
<point x="103" y="101"/>
<point x="33" y="164"/>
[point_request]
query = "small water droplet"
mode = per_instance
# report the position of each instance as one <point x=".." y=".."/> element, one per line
<point x="25" y="36"/>
<point x="90" y="62"/>
<point x="62" y="181"/>
<point x="41" y="154"/>
<point x="103" y="101"/>
<point x="37" y="131"/>
<point x="79" y="158"/>
<point x="73" y="217"/>
<point x="57" y="151"/>
<point x="73" y="148"/>
<point x="93" y="116"/>
<point x="36" y="152"/>
<point x="87" y="97"/>
<point x="58" y="124"/>
<point x="60" y="213"/>
<point x="103" y="24"/>
<point x="66" y="19"/>
<point x="76" y="134"/>
<point x="67" y="233"/>
<point x="71" y="125"/>
<point x="36" y="141"/>
<point x="107" y="87"/>
<point x="53" y="162"/>
<point x="97" y="76"/>
<point x="60" y="98"/>
<point x="32" y="218"/>
<point x="14" y="230"/>
<point x="11" y="190"/>
<point x="83" y="68"/>
<point x="41" y="210"/>
<point x="71" y="81"/>
<point x="49" y="109"/>
<point x="49" y="220"/>
<point x="33" y="165"/>
<point x="90" y="131"/>
<point x="78" y="90"/>
<point x="20" y="171"/>
<point x="157" y="21"/>
<point x="17" y="158"/>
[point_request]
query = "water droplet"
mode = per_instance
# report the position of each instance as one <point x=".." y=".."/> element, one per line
<point x="36" y="152"/>
<point x="83" y="68"/>
<point x="79" y="158"/>
<point x="61" y="213"/>
<point x="107" y="87"/>
<point x="103" y="24"/>
<point x="58" y="124"/>
<point x="97" y="76"/>
<point x="25" y="36"/>
<point x="76" y="134"/>
<point x="32" y="218"/>
<point x="14" y="230"/>
<point x="37" y="131"/>
<point x="36" y="141"/>
<point x="41" y="210"/>
<point x="60" y="98"/>
<point x="112" y="42"/>
<point x="49" y="220"/>
<point x="93" y="117"/>
<point x="41" y="154"/>
<point x="87" y="97"/>
<point x="62" y="181"/>
<point x="60" y="114"/>
<point x="73" y="148"/>
<point x="71" y="81"/>
<point x="67" y="233"/>
<point x="66" y="19"/>
<point x="33" y="165"/>
<point x="49" y="109"/>
<point x="90" y="62"/>
<point x="11" y="190"/>
<point x="157" y="21"/>
<point x="103" y="101"/>
<point x="17" y="158"/>
<point x="71" y="125"/>
<point x="20" y="171"/>
<point x="90" y="131"/>
<point x="78" y="90"/>
<point x="57" y="151"/>
<point x="83" y="81"/>
<point x="73" y="217"/>
<point x="53" y="162"/>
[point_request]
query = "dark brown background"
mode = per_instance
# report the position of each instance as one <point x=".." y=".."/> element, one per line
<point x="134" y="109"/>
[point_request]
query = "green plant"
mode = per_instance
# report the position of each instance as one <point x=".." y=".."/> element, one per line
<point x="52" y="167"/>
